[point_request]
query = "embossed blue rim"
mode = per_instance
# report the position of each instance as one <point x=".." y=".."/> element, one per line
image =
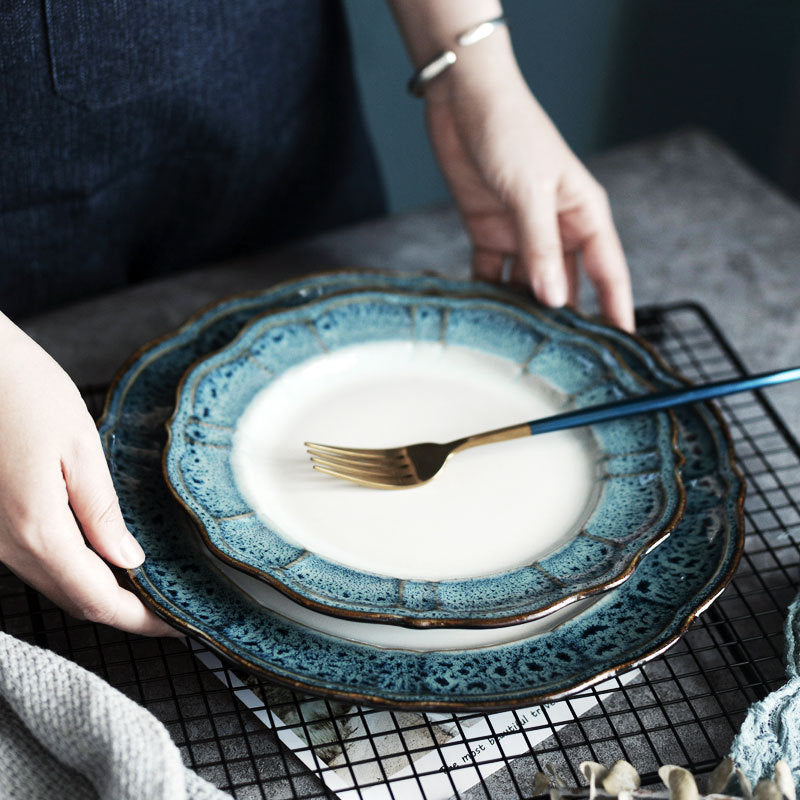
<point x="640" y="462"/>
<point x="196" y="610"/>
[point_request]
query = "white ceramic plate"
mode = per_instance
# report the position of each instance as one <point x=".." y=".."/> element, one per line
<point x="491" y="510"/>
<point x="392" y="637"/>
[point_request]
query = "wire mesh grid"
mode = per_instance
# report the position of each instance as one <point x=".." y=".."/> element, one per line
<point x="256" y="740"/>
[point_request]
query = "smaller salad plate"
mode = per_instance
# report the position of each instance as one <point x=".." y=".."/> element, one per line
<point x="505" y="535"/>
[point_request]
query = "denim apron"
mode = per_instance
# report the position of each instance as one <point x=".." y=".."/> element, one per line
<point x="140" y="137"/>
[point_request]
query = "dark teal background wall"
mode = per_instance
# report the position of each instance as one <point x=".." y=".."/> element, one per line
<point x="611" y="71"/>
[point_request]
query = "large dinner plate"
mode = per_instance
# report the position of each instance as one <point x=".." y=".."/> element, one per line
<point x="625" y="627"/>
<point x="504" y="535"/>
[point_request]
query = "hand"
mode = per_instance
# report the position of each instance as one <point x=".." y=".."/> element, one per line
<point x="53" y="479"/>
<point x="521" y="191"/>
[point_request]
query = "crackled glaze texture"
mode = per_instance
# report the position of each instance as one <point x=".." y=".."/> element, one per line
<point x="577" y="529"/>
<point x="627" y="626"/>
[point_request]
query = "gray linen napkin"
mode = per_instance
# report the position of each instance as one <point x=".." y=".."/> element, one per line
<point x="66" y="733"/>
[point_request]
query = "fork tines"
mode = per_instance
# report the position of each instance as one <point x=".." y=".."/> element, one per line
<point x="383" y="469"/>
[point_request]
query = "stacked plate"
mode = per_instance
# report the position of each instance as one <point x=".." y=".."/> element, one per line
<point x="524" y="571"/>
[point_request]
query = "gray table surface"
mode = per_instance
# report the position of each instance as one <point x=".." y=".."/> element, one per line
<point x="696" y="224"/>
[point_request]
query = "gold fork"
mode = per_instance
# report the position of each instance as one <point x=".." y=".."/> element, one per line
<point x="415" y="464"/>
<point x="399" y="467"/>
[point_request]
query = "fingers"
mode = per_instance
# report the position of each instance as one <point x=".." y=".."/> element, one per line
<point x="606" y="267"/>
<point x="58" y="564"/>
<point x="89" y="585"/>
<point x="540" y="253"/>
<point x="94" y="501"/>
<point x="550" y="240"/>
<point x="93" y="589"/>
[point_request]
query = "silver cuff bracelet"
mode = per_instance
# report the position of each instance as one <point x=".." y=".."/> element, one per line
<point x="444" y="60"/>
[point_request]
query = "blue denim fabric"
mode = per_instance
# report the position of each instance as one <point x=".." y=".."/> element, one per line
<point x="139" y="137"/>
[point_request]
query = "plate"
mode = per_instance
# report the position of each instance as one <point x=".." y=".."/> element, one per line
<point x="387" y="636"/>
<point x="625" y="627"/>
<point x="504" y="535"/>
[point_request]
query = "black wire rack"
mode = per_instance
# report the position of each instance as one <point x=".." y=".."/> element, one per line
<point x="256" y="740"/>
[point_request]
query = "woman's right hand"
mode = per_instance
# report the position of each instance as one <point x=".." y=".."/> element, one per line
<point x="55" y="489"/>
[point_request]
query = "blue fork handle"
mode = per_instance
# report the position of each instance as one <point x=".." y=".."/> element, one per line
<point x="661" y="400"/>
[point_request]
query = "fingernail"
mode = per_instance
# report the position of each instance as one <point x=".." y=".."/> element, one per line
<point x="551" y="290"/>
<point x="132" y="552"/>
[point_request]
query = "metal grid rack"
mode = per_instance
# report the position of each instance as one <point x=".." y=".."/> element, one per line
<point x="683" y="707"/>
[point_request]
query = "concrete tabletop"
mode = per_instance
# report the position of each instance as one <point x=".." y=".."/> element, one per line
<point x="696" y="224"/>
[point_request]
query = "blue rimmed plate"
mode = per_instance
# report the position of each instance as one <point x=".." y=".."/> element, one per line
<point x="505" y="535"/>
<point x="624" y="628"/>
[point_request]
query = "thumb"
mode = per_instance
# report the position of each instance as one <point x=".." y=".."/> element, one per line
<point x="94" y="502"/>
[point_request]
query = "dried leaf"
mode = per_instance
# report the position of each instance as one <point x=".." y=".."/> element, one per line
<point x="744" y="783"/>
<point x="593" y="769"/>
<point x="681" y="784"/>
<point x="593" y="772"/>
<point x="541" y="783"/>
<point x="556" y="779"/>
<point x="785" y="780"/>
<point x="622" y="777"/>
<point x="623" y="782"/>
<point x="767" y="790"/>
<point x="719" y="778"/>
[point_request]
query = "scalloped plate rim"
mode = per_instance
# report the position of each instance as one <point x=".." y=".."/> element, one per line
<point x="407" y="616"/>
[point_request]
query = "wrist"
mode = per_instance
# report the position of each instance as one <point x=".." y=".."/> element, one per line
<point x="430" y="27"/>
<point x="437" y="45"/>
<point x="484" y="67"/>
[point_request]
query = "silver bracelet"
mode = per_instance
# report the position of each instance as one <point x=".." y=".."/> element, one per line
<point x="444" y="60"/>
